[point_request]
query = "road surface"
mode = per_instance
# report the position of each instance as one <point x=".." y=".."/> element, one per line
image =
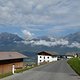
<point x="59" y="70"/>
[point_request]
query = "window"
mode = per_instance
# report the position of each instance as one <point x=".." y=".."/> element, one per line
<point x="48" y="57"/>
<point x="40" y="60"/>
<point x="44" y="57"/>
<point x="40" y="56"/>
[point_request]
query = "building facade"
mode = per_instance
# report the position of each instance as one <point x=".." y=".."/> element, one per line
<point x="10" y="61"/>
<point x="45" y="57"/>
<point x="71" y="55"/>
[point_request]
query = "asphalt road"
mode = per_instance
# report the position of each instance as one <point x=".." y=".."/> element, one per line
<point x="59" y="70"/>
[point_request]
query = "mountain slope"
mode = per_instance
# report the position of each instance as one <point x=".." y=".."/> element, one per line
<point x="73" y="37"/>
<point x="8" y="38"/>
<point x="12" y="42"/>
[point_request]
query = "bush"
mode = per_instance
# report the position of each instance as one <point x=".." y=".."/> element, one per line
<point x="75" y="64"/>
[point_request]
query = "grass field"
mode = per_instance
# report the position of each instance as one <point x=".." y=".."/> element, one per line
<point x="75" y="64"/>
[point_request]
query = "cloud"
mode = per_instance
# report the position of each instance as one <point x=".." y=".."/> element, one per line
<point x="27" y="35"/>
<point x="75" y="44"/>
<point x="51" y="43"/>
<point x="41" y="14"/>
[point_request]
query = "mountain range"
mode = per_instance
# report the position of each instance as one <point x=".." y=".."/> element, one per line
<point x="73" y="37"/>
<point x="12" y="42"/>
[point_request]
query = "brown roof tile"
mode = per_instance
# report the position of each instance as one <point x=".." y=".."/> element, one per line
<point x="11" y="55"/>
<point x="47" y="52"/>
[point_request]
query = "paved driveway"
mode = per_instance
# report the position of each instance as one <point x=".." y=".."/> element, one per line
<point x="59" y="70"/>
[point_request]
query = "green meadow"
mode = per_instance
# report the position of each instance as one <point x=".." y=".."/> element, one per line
<point x="75" y="64"/>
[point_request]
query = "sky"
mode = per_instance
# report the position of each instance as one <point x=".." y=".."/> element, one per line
<point x="30" y="18"/>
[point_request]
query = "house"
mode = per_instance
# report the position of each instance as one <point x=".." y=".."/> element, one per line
<point x="71" y="55"/>
<point x="46" y="56"/>
<point x="78" y="54"/>
<point x="10" y="61"/>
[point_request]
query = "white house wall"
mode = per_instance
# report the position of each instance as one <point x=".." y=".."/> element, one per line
<point x="69" y="57"/>
<point x="43" y="58"/>
<point x="54" y="58"/>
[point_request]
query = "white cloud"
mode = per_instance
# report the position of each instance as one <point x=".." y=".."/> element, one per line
<point x="51" y="43"/>
<point x="27" y="35"/>
<point x="54" y="42"/>
<point x="75" y="44"/>
<point x="41" y="13"/>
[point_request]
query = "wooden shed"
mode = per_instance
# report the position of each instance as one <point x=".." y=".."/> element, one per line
<point x="10" y="59"/>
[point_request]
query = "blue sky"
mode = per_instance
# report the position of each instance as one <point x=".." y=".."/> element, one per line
<point x="40" y="17"/>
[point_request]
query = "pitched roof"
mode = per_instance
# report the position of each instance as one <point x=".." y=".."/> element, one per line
<point x="48" y="53"/>
<point x="11" y="55"/>
<point x="71" y="53"/>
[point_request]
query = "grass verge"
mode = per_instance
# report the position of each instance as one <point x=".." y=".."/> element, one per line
<point x="22" y="70"/>
<point x="5" y="75"/>
<point x="17" y="71"/>
<point x="75" y="64"/>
